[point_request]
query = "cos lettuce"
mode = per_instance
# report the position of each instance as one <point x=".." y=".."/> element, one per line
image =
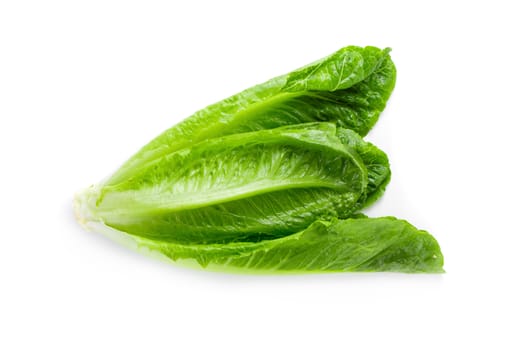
<point x="270" y="179"/>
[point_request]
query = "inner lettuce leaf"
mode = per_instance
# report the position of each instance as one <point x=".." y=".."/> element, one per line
<point x="245" y="187"/>
<point x="350" y="88"/>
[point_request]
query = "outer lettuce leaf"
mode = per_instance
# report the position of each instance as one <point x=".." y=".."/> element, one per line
<point x="349" y="87"/>
<point x="244" y="187"/>
<point x="362" y="244"/>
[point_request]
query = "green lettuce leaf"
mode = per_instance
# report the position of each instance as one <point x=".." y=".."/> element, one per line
<point x="244" y="187"/>
<point x="360" y="245"/>
<point x="349" y="87"/>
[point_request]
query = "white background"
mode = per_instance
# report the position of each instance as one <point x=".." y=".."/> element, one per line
<point x="84" y="84"/>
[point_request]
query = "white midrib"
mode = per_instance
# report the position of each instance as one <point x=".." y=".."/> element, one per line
<point x="139" y="201"/>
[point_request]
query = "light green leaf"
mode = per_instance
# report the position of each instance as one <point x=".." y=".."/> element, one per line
<point x="245" y="187"/>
